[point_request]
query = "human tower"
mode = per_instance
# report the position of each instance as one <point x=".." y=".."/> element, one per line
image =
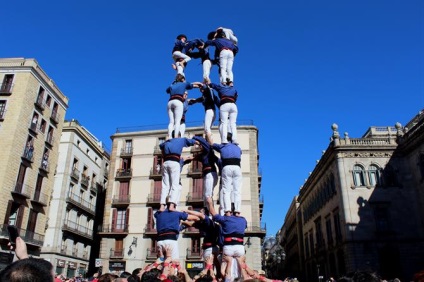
<point x="223" y="228"/>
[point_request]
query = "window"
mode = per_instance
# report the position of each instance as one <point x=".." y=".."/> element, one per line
<point x="43" y="124"/>
<point x="329" y="230"/>
<point x="420" y="159"/>
<point x="374" y="175"/>
<point x="6" y="86"/>
<point x="2" y="109"/>
<point x="29" y="149"/>
<point x="50" y="138"/>
<point x="381" y="217"/>
<point x="34" y="122"/>
<point x="124" y="191"/>
<point x="337" y="226"/>
<point x="318" y="233"/>
<point x="120" y="219"/>
<point x="128" y="147"/>
<point x="358" y="176"/>
<point x="38" y="187"/>
<point x="197" y="188"/>
<point x="40" y="98"/>
<point x="390" y="177"/>
<point x="126" y="163"/>
<point x="307" y="246"/>
<point x="48" y="100"/>
<point x="311" y="241"/>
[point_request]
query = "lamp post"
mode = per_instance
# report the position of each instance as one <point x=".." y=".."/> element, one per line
<point x="319" y="276"/>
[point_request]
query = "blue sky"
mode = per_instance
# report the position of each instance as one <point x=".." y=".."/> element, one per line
<point x="302" y="66"/>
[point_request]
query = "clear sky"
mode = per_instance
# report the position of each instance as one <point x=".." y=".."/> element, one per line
<point x="302" y="66"/>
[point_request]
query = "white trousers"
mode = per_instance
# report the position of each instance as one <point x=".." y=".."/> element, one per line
<point x="226" y="60"/>
<point x="177" y="55"/>
<point x="231" y="185"/>
<point x="182" y="129"/>
<point x="228" y="112"/>
<point x="170" y="244"/>
<point x="175" y="113"/>
<point x="171" y="182"/>
<point x="207" y="65"/>
<point x="209" y="182"/>
<point x="209" y="120"/>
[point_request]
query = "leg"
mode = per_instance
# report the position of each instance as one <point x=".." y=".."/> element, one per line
<point x="182" y="129"/>
<point x="175" y="181"/>
<point x="226" y="188"/>
<point x="165" y="182"/>
<point x="171" y="119"/>
<point x="223" y="116"/>
<point x="223" y="58"/>
<point x="230" y="61"/>
<point x="232" y="120"/>
<point x="237" y="178"/>
<point x="207" y="65"/>
<point x="178" y="114"/>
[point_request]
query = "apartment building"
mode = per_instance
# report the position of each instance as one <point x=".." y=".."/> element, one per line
<point x="362" y="207"/>
<point x="81" y="176"/>
<point x="32" y="109"/>
<point x="128" y="233"/>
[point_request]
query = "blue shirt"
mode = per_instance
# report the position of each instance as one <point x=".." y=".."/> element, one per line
<point x="175" y="145"/>
<point x="228" y="150"/>
<point x="222" y="43"/>
<point x="178" y="88"/>
<point x="231" y="225"/>
<point x="224" y="90"/>
<point x="169" y="221"/>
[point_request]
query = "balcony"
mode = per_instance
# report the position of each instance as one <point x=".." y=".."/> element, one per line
<point x="33" y="128"/>
<point x="157" y="151"/>
<point x="106" y="172"/>
<point x="55" y="117"/>
<point x="153" y="200"/>
<point x="126" y="152"/>
<point x="39" y="103"/>
<point x="22" y="190"/>
<point x="121" y="200"/>
<point x="6" y="89"/>
<point x="115" y="230"/>
<point x="261" y="205"/>
<point x="195" y="149"/>
<point x="192" y="231"/>
<point x="150" y="230"/>
<point x="77" y="229"/>
<point x="194" y="254"/>
<point x="40" y="198"/>
<point x="123" y="173"/>
<point x="94" y="186"/>
<point x="2" y="113"/>
<point x="256" y="229"/>
<point x="45" y="167"/>
<point x="195" y="172"/>
<point x="28" y="155"/>
<point x="80" y="203"/>
<point x="117" y="253"/>
<point x="29" y="237"/>
<point x="50" y="140"/>
<point x="195" y="198"/>
<point x="151" y="254"/>
<point x="75" y="173"/>
<point x="84" y="180"/>
<point x="155" y="174"/>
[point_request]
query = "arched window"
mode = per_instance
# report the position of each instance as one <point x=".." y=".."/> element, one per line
<point x="374" y="175"/>
<point x="358" y="176"/>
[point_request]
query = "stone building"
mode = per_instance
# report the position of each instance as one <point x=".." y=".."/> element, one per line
<point x="128" y="231"/>
<point x="362" y="207"/>
<point x="32" y="109"/>
<point x="81" y="176"/>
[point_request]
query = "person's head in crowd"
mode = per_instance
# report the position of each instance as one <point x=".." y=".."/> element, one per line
<point x="151" y="276"/>
<point x="107" y="277"/>
<point x="28" y="270"/>
<point x="360" y="276"/>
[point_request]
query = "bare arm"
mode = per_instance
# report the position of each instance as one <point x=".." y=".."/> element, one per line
<point x="193" y="217"/>
<point x="196" y="213"/>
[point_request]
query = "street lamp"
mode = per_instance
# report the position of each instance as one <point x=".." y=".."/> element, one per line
<point x="319" y="276"/>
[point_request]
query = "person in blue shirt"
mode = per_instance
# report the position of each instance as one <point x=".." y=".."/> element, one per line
<point x="226" y="49"/>
<point x="175" y="103"/>
<point x="171" y="172"/>
<point x="178" y="54"/>
<point x="168" y="228"/>
<point x="209" y="100"/>
<point x="228" y="110"/>
<point x="233" y="229"/>
<point x="231" y="176"/>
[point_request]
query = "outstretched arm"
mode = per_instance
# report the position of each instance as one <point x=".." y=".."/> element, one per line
<point x="210" y="206"/>
<point x="196" y="213"/>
